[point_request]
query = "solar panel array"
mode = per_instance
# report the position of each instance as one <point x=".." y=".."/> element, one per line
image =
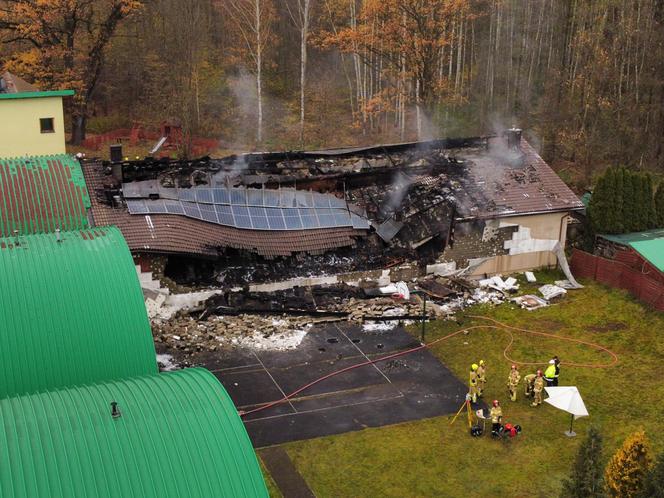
<point x="255" y="209"/>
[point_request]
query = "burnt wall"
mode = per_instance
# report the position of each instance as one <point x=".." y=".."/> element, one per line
<point x="474" y="239"/>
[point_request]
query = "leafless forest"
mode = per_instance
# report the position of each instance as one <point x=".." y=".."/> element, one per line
<point x="584" y="78"/>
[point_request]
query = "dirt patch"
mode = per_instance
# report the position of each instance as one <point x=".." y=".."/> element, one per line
<point x="608" y="327"/>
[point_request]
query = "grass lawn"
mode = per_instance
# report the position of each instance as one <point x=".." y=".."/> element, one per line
<point x="432" y="458"/>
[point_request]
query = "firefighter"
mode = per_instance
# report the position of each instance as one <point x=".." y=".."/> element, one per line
<point x="550" y="373"/>
<point x="538" y="387"/>
<point x="473" y="382"/>
<point x="496" y="415"/>
<point x="557" y="363"/>
<point x="481" y="378"/>
<point x="528" y="382"/>
<point x="513" y="382"/>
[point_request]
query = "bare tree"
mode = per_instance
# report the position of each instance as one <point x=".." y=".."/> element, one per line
<point x="253" y="19"/>
<point x="301" y="17"/>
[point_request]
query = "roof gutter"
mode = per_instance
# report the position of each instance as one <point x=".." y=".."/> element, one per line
<point x="512" y="215"/>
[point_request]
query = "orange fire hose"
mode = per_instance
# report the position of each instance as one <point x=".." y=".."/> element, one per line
<point x="498" y="326"/>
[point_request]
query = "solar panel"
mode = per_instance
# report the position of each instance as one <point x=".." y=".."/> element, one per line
<point x="186" y="194"/>
<point x="326" y="218"/>
<point x="204" y="195"/>
<point x="321" y="200"/>
<point x="255" y="197"/>
<point x="173" y="207"/>
<point x="358" y="222"/>
<point x="156" y="207"/>
<point x="191" y="210"/>
<point x="240" y="211"/>
<point x="304" y="199"/>
<point x="225" y="215"/>
<point x="336" y="202"/>
<point x="221" y="196"/>
<point x="285" y="209"/>
<point x="243" y="222"/>
<point x="137" y="207"/>
<point x="238" y="196"/>
<point x="341" y="218"/>
<point x="208" y="213"/>
<point x="276" y="220"/>
<point x="257" y="212"/>
<point x="271" y="198"/>
<point x="288" y="198"/>
<point x="292" y="219"/>
<point x="224" y="209"/>
<point x="309" y="219"/>
<point x="260" y="223"/>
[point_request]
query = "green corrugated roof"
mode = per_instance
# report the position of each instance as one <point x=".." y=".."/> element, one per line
<point x="178" y="436"/>
<point x="36" y="95"/>
<point x="649" y="244"/>
<point x="585" y="198"/>
<point x="40" y="194"/>
<point x="71" y="312"/>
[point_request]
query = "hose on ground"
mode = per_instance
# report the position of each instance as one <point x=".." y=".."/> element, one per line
<point x="496" y="326"/>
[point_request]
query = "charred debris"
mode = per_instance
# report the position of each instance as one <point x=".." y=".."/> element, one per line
<point x="401" y="204"/>
<point x="293" y="238"/>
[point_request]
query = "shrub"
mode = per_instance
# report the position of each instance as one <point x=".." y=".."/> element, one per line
<point x="625" y="473"/>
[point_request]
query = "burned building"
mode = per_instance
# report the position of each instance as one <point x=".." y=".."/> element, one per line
<point x="481" y="205"/>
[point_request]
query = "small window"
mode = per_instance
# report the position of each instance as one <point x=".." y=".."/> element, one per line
<point x="46" y="125"/>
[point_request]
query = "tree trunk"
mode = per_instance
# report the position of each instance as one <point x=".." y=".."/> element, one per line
<point x="304" y="33"/>
<point x="79" y="121"/>
<point x="259" y="73"/>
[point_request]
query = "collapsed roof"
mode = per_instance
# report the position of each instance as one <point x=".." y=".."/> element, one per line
<point x="279" y="204"/>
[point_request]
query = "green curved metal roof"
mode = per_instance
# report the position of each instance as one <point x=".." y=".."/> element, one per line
<point x="178" y="435"/>
<point x="649" y="244"/>
<point x="40" y="194"/>
<point x="71" y="312"/>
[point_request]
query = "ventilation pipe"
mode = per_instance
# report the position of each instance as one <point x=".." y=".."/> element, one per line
<point x="115" y="411"/>
<point x="514" y="138"/>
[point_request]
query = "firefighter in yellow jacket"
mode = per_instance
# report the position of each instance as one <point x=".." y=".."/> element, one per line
<point x="550" y="373"/>
<point x="538" y="387"/>
<point x="481" y="378"/>
<point x="513" y="382"/>
<point x="472" y="382"/>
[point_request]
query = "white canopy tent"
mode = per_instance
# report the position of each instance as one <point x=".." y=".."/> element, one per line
<point x="567" y="398"/>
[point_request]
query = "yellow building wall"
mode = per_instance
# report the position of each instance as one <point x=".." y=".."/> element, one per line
<point x="551" y="226"/>
<point x="20" y="133"/>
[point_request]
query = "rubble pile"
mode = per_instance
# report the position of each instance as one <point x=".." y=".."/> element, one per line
<point x="184" y="333"/>
<point x="280" y="319"/>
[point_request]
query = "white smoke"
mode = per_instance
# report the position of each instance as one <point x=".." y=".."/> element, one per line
<point x="245" y="94"/>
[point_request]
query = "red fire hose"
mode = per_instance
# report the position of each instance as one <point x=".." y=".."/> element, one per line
<point x="498" y="326"/>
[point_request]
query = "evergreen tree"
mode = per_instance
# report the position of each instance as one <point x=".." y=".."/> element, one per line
<point x="641" y="201"/>
<point x="619" y="201"/>
<point x="650" y="193"/>
<point x="612" y="221"/>
<point x="659" y="206"/>
<point x="585" y="480"/>
<point x="629" y="201"/>
<point x="653" y="484"/>
<point x="598" y="206"/>
<point x="625" y="473"/>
